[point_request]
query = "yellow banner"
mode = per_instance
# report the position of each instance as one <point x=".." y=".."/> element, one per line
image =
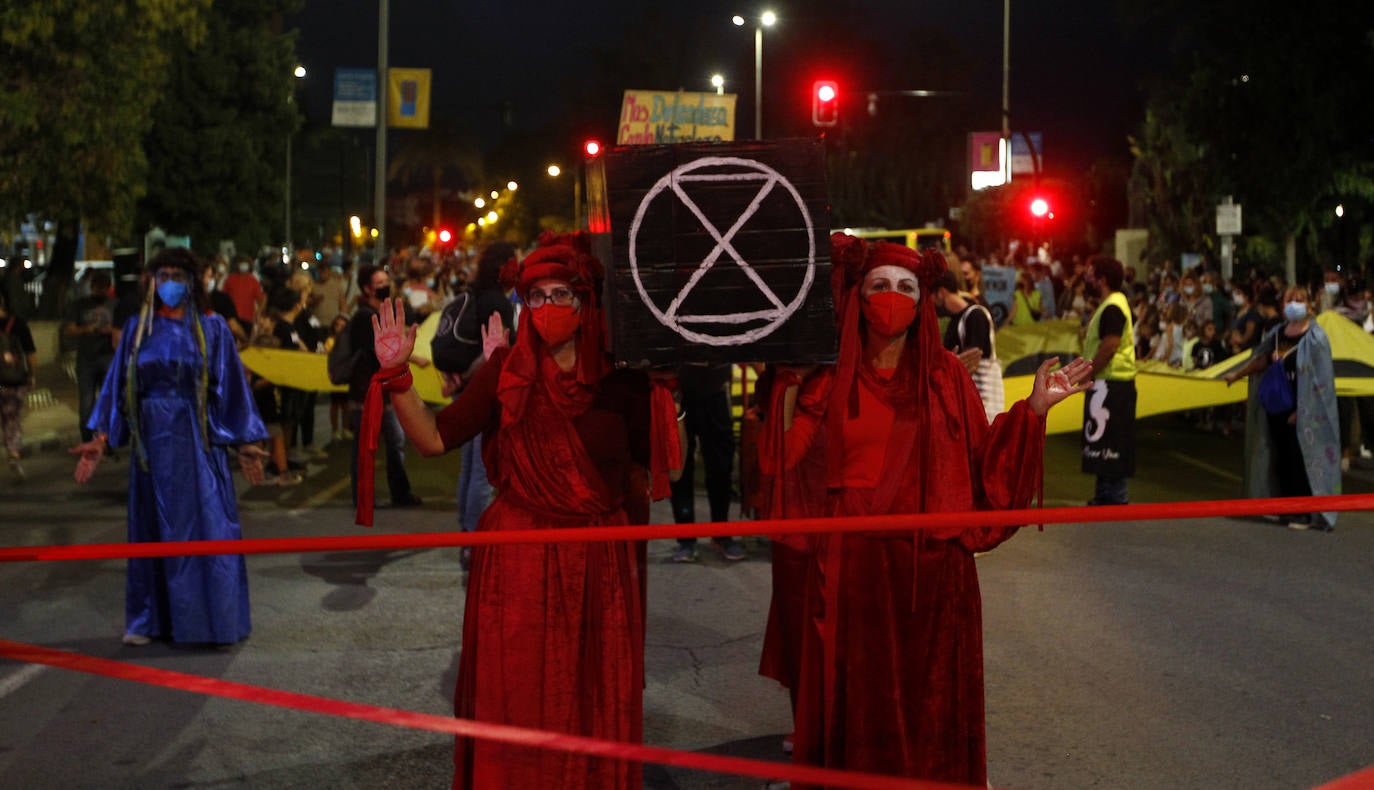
<point x="305" y="371"/>
<point x="407" y="98"/>
<point x="656" y="117"/>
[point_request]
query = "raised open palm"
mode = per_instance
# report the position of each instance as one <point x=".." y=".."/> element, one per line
<point x="393" y="340"/>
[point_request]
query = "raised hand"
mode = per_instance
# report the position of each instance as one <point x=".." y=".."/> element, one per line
<point x="393" y="340"/>
<point x="91" y="452"/>
<point x="494" y="336"/>
<point x="1051" y="388"/>
<point x="251" y="459"/>
<point x="971" y="358"/>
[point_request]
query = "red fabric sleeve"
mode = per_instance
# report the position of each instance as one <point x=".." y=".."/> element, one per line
<point x="790" y="446"/>
<point x="476" y="407"/>
<point x="1008" y="465"/>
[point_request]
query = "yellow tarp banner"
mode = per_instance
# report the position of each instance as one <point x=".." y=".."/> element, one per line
<point x="1159" y="388"/>
<point x="305" y="371"/>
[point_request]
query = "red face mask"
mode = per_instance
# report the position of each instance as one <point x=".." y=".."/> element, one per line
<point x="889" y="312"/>
<point x="554" y="323"/>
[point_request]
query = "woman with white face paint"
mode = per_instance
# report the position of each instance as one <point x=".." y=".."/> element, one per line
<point x="891" y="676"/>
<point x="1292" y="439"/>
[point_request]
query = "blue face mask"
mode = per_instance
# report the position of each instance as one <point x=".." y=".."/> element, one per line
<point x="172" y="293"/>
<point x="1295" y="311"/>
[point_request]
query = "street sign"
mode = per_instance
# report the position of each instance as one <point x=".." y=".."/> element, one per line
<point x="1228" y="219"/>
<point x="355" y="97"/>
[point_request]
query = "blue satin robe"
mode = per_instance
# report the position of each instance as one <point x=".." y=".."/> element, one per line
<point x="187" y="490"/>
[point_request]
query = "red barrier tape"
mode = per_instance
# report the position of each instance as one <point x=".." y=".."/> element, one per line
<point x="899" y="523"/>
<point x="521" y="736"/>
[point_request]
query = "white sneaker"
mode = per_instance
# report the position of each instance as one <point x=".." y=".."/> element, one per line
<point x="1365" y="453"/>
<point x="135" y="640"/>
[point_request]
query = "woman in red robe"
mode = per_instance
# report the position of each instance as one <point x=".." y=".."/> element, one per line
<point x="553" y="633"/>
<point x="891" y="677"/>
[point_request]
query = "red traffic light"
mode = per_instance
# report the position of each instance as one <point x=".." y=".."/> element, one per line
<point x="1039" y="207"/>
<point x="825" y="103"/>
<point x="445" y="236"/>
<point x="592" y="147"/>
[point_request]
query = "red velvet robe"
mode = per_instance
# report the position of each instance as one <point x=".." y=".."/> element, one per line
<point x="553" y="635"/>
<point x="892" y="655"/>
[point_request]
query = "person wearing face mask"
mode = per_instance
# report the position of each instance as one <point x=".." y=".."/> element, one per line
<point x="177" y="394"/>
<point x="891" y="672"/>
<point x="567" y="439"/>
<point x="1245" y="331"/>
<point x="1109" y="410"/>
<point x="374" y="289"/>
<point x="1198" y="304"/>
<point x="245" y="289"/>
<point x="1292" y="440"/>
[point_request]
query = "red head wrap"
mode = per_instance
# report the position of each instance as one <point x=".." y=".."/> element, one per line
<point x="565" y="257"/>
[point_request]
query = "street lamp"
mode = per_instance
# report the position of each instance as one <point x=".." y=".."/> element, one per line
<point x="555" y="171"/>
<point x="512" y="186"/>
<point x="299" y="73"/>
<point x="718" y="82"/>
<point x="767" y="19"/>
<point x="479" y="202"/>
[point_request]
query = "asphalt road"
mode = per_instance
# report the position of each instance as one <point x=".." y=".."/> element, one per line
<point x="1209" y="653"/>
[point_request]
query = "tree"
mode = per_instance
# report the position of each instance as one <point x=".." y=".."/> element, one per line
<point x="1271" y="105"/>
<point x="80" y="80"/>
<point x="217" y="147"/>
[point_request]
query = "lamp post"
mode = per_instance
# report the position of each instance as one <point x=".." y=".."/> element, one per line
<point x="718" y="82"/>
<point x="766" y="19"/>
<point x="299" y="74"/>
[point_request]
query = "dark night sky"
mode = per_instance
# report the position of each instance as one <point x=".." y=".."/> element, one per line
<point x="1075" y="73"/>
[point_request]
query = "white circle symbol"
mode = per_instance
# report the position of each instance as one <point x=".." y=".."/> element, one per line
<point x="779" y="313"/>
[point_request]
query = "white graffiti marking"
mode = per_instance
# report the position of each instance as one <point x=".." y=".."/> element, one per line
<point x="750" y="170"/>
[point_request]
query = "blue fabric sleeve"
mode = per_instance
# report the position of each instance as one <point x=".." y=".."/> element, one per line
<point x="233" y="417"/>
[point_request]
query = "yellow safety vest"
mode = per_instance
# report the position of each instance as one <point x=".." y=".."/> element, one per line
<point x="1122" y="365"/>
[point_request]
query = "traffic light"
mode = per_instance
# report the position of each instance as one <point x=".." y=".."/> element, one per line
<point x="825" y="103"/>
<point x="592" y="148"/>
<point x="445" y="235"/>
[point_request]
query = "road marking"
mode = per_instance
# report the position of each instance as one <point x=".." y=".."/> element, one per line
<point x="320" y="497"/>
<point x="16" y="681"/>
<point x="1216" y="470"/>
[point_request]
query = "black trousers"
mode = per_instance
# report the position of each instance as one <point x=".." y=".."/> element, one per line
<point x="709" y="427"/>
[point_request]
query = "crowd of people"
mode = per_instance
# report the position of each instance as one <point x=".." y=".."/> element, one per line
<point x="883" y="678"/>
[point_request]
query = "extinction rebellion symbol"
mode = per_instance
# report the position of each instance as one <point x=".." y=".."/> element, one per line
<point x="764" y="322"/>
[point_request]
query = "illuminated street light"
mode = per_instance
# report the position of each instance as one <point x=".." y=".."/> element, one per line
<point x="355" y="224"/>
<point x="766" y="19"/>
<point x="718" y="82"/>
<point x="492" y="216"/>
<point x="480" y="202"/>
<point x="481" y="222"/>
<point x="300" y="72"/>
<point x="555" y="171"/>
<point x="495" y="194"/>
<point x="375" y="233"/>
<point x="1340" y="210"/>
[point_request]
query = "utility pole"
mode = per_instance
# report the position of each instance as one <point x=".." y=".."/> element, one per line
<point x="379" y="188"/>
<point x="1006" y="90"/>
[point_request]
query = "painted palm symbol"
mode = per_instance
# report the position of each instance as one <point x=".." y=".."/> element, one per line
<point x="745" y="170"/>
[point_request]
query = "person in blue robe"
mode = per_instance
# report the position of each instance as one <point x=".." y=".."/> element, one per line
<point x="177" y="395"/>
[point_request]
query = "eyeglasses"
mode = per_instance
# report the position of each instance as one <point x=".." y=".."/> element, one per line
<point x="175" y="275"/>
<point x="560" y="297"/>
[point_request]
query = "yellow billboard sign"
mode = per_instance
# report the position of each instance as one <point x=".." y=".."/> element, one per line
<point x="407" y="98"/>
<point x="657" y="117"/>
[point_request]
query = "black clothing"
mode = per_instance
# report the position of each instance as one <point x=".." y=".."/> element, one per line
<point x="363" y="344"/>
<point x="95" y="312"/>
<point x="223" y="305"/>
<point x="1112" y="323"/>
<point x="977" y="331"/>
<point x="1206" y="355"/>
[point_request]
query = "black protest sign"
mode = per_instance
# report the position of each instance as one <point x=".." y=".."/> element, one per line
<point x="719" y="252"/>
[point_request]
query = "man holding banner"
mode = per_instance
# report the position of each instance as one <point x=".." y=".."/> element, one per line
<point x="1109" y="409"/>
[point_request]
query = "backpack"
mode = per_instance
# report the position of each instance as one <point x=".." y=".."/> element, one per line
<point x="458" y="338"/>
<point x="341" y="357"/>
<point x="14" y="362"/>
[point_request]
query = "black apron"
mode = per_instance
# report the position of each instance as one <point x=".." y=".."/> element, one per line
<point x="1109" y="429"/>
